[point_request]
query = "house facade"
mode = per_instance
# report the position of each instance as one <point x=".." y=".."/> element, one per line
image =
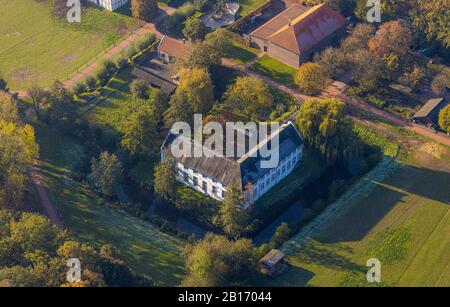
<point x="295" y="35"/>
<point x="212" y="175"/>
<point x="111" y="5"/>
<point x="170" y="50"/>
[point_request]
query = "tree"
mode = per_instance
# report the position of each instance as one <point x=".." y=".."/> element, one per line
<point x="144" y="9"/>
<point x="221" y="41"/>
<point x="440" y="84"/>
<point x="197" y="88"/>
<point x="204" y="56"/>
<point x="311" y="78"/>
<point x="323" y="125"/>
<point x="281" y="235"/>
<point x="140" y="133"/>
<point x="444" y="119"/>
<point x="389" y="9"/>
<point x="415" y="78"/>
<point x="106" y="173"/>
<point x="368" y="70"/>
<point x="139" y="88"/>
<point x="18" y="152"/>
<point x="332" y="61"/>
<point x="359" y="39"/>
<point x="232" y="214"/>
<point x="216" y="261"/>
<point x="165" y="181"/>
<point x="392" y="38"/>
<point x="61" y="110"/>
<point x="38" y="96"/>
<point x="251" y="96"/>
<point x="194" y="29"/>
<point x="8" y="108"/>
<point x="432" y="18"/>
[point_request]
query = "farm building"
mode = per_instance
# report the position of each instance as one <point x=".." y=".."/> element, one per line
<point x="428" y="115"/>
<point x="273" y="263"/>
<point x="111" y="5"/>
<point x="169" y="50"/>
<point x="297" y="33"/>
<point x="212" y="175"/>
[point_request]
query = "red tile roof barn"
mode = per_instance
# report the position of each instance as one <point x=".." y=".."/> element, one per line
<point x="175" y="48"/>
<point x="304" y="30"/>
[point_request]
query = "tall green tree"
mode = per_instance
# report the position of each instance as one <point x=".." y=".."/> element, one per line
<point x="204" y="56"/>
<point x="165" y="180"/>
<point x="106" y="173"/>
<point x="197" y="88"/>
<point x="251" y="97"/>
<point x="144" y="9"/>
<point x="311" y="78"/>
<point x="232" y="214"/>
<point x="216" y="261"/>
<point x="8" y="108"/>
<point x="323" y="125"/>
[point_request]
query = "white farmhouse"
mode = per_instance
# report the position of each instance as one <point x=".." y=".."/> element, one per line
<point x="212" y="175"/>
<point x="111" y="5"/>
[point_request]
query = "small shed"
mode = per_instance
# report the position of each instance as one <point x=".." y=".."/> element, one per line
<point x="429" y="113"/>
<point x="273" y="263"/>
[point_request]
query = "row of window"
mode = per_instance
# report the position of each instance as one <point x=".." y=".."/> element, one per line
<point x="203" y="186"/>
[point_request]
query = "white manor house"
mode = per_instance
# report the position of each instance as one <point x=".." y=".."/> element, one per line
<point x="111" y="5"/>
<point x="212" y="175"/>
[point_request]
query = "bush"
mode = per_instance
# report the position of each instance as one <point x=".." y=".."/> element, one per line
<point x="91" y="82"/>
<point x="105" y="71"/>
<point x="129" y="52"/>
<point x="139" y="88"/>
<point x="178" y="17"/>
<point x="145" y="42"/>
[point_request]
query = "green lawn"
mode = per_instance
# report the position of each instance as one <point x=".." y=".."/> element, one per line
<point x="242" y="54"/>
<point x="276" y="70"/>
<point x="35" y="49"/>
<point x="145" y="248"/>
<point x="403" y="220"/>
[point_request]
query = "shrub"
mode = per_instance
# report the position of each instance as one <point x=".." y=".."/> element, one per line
<point x="105" y="71"/>
<point x="139" y="88"/>
<point x="145" y="42"/>
<point x="91" y="82"/>
<point x="281" y="235"/>
<point x="120" y="61"/>
<point x="129" y="52"/>
<point x="178" y="17"/>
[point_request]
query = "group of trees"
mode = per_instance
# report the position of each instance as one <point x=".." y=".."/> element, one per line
<point x="144" y="9"/>
<point x="18" y="151"/>
<point x="34" y="253"/>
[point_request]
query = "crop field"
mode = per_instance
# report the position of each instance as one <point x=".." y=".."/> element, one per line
<point x="37" y="49"/>
<point x="403" y="219"/>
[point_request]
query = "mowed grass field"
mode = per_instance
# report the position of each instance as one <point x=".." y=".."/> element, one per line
<point x="276" y="70"/>
<point x="403" y="220"/>
<point x="37" y="49"/>
<point x="145" y="249"/>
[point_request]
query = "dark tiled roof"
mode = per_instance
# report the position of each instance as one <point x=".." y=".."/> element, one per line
<point x="240" y="171"/>
<point x="166" y="87"/>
